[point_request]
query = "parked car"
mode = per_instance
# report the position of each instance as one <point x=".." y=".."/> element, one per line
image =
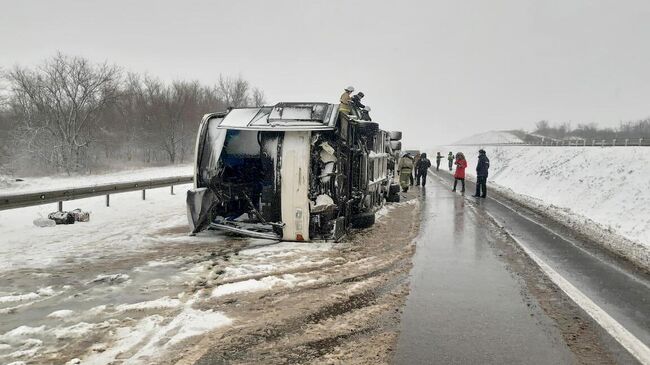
<point x="291" y="171"/>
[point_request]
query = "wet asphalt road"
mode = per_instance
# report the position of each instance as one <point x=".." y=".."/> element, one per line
<point x="464" y="306"/>
<point x="613" y="284"/>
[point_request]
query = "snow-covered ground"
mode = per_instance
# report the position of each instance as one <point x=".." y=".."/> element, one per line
<point x="586" y="185"/>
<point x="490" y="137"/>
<point x="130" y="284"/>
<point x="127" y="224"/>
<point x="30" y="184"/>
<point x="22" y="244"/>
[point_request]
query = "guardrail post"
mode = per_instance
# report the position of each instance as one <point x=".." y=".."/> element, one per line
<point x="640" y="141"/>
<point x="108" y="200"/>
<point x="172" y="189"/>
<point x="614" y="142"/>
<point x="584" y="142"/>
<point x="626" y="140"/>
<point x="144" y="194"/>
<point x="60" y="206"/>
<point x="593" y="142"/>
<point x="602" y="143"/>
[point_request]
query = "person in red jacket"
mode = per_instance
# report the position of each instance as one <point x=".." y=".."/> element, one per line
<point x="461" y="165"/>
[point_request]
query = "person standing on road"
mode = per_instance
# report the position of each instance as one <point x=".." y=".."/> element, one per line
<point x="346" y="100"/>
<point x="461" y="164"/>
<point x="405" y="168"/>
<point x="482" y="174"/>
<point x="421" y="170"/>
<point x="415" y="164"/>
<point x="438" y="158"/>
<point x="450" y="157"/>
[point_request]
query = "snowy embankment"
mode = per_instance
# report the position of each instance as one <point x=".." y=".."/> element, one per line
<point x="598" y="191"/>
<point x="490" y="137"/>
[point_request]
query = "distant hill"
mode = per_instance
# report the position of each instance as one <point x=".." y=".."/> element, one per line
<point x="490" y="138"/>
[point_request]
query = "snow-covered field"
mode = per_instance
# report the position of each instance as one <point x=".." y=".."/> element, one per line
<point x="490" y="137"/>
<point x="29" y="184"/>
<point x="23" y="244"/>
<point x="586" y="185"/>
<point x="126" y="224"/>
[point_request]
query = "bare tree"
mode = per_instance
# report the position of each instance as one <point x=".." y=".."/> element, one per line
<point x="68" y="115"/>
<point x="258" y="97"/>
<point x="233" y="91"/>
<point x="57" y="105"/>
<point x="542" y="126"/>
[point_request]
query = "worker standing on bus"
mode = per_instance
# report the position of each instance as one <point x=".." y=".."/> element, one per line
<point x="346" y="100"/>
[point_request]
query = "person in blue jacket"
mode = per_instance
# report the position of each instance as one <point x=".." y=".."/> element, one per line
<point x="482" y="174"/>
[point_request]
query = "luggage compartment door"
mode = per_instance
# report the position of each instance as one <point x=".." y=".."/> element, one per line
<point x="294" y="172"/>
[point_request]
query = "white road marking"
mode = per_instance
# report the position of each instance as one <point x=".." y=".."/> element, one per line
<point x="632" y="344"/>
<point x="572" y="242"/>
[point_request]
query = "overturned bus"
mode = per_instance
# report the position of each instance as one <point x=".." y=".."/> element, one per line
<point x="291" y="171"/>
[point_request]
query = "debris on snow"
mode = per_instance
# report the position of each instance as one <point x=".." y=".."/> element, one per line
<point x="76" y="215"/>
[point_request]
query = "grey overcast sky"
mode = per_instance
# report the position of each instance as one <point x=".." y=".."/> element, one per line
<point x="438" y="70"/>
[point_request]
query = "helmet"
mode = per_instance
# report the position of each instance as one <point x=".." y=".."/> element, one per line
<point x="361" y="94"/>
<point x="367" y="108"/>
<point x="349" y="89"/>
<point x="481" y="151"/>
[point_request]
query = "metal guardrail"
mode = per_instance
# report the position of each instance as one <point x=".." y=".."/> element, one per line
<point x="622" y="142"/>
<point x="11" y="201"/>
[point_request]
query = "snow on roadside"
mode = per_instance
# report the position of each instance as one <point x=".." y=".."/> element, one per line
<point x="132" y="332"/>
<point x="63" y="181"/>
<point x="23" y="244"/>
<point x="160" y="303"/>
<point x="128" y="224"/>
<point x="60" y="314"/>
<point x="42" y="292"/>
<point x="490" y="137"/>
<point x="152" y="335"/>
<point x="585" y="185"/>
<point x="253" y="285"/>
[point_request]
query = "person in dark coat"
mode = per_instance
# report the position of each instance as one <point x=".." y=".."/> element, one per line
<point x="438" y="158"/>
<point x="356" y="100"/>
<point x="450" y="157"/>
<point x="482" y="174"/>
<point x="421" y="170"/>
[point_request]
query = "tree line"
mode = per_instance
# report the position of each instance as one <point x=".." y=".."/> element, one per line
<point x="71" y="115"/>
<point x="591" y="131"/>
